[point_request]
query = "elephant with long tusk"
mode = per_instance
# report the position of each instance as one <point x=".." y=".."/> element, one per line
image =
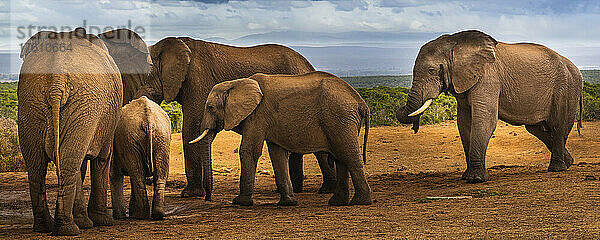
<point x="522" y="84"/>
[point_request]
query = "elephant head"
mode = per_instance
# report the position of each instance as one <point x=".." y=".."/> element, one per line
<point x="132" y="57"/>
<point x="171" y="57"/>
<point x="451" y="63"/>
<point x="228" y="104"/>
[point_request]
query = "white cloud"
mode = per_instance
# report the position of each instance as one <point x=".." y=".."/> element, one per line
<point x="547" y="21"/>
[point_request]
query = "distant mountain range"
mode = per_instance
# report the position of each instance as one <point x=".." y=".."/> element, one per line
<point x="351" y="53"/>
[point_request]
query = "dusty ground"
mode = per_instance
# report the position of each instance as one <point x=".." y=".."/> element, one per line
<point x="521" y="199"/>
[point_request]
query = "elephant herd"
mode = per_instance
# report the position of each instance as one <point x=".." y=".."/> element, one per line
<point x="93" y="98"/>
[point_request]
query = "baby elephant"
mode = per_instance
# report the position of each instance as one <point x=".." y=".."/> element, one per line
<point x="141" y="150"/>
<point x="314" y="112"/>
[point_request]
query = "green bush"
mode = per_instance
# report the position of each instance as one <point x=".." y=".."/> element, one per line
<point x="173" y="109"/>
<point x="383" y="102"/>
<point x="10" y="155"/>
<point x="8" y="100"/>
<point x="591" y="101"/>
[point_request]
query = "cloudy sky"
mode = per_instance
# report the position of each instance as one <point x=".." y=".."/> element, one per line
<point x="559" y="24"/>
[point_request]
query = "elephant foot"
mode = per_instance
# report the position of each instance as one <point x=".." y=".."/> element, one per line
<point x="361" y="199"/>
<point x="568" y="158"/>
<point x="557" y="166"/>
<point x="140" y="213"/>
<point x="193" y="191"/>
<point x="243" y="200"/>
<point x="287" y="201"/>
<point x="43" y="226"/>
<point x="338" y="200"/>
<point x="83" y="222"/>
<point x="66" y="229"/>
<point x="101" y="219"/>
<point x="158" y="215"/>
<point x="327" y="187"/>
<point x="158" y="211"/>
<point x="297" y="187"/>
<point x="475" y="175"/>
<point x="119" y="213"/>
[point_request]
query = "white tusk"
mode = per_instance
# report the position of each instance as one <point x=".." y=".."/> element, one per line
<point x="422" y="109"/>
<point x="200" y="138"/>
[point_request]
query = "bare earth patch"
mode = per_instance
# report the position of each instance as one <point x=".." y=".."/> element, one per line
<point x="522" y="199"/>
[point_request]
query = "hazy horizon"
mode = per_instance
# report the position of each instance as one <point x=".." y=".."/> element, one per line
<point x="353" y="37"/>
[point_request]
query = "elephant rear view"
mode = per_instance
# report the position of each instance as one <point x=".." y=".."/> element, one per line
<point x="142" y="147"/>
<point x="69" y="94"/>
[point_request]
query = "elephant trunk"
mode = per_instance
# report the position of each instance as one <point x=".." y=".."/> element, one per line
<point x="404" y="114"/>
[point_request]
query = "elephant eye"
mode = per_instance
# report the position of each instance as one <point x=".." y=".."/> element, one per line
<point x="431" y="71"/>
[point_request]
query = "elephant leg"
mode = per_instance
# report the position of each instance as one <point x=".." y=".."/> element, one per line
<point x="36" y="173"/>
<point x="79" y="209"/>
<point x="341" y="196"/>
<point x="198" y="162"/>
<point x="464" y="127"/>
<point x="139" y="207"/>
<point x="97" y="206"/>
<point x="69" y="177"/>
<point x="557" y="156"/>
<point x="327" y="166"/>
<point x="250" y="151"/>
<point x="279" y="159"/>
<point x="116" y="192"/>
<point x="296" y="171"/>
<point x="483" y="99"/>
<point x="350" y="157"/>
<point x="193" y="169"/>
<point x="158" y="198"/>
<point x="546" y="138"/>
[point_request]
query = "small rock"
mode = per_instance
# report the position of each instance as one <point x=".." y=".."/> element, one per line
<point x="395" y="149"/>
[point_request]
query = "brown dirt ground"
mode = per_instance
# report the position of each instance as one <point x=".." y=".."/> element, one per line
<point x="521" y="199"/>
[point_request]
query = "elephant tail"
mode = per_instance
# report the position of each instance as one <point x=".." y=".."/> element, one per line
<point x="366" y="115"/>
<point x="150" y="153"/>
<point x="579" y="124"/>
<point x="57" y="98"/>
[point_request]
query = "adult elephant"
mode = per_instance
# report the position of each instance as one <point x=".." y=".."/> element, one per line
<point x="69" y="93"/>
<point x="130" y="53"/>
<point x="185" y="70"/>
<point x="521" y="84"/>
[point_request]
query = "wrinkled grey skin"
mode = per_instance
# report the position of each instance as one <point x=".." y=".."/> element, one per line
<point x="521" y="84"/>
<point x="142" y="145"/>
<point x="186" y="69"/>
<point x="314" y="112"/>
<point x="131" y="55"/>
<point x="69" y="105"/>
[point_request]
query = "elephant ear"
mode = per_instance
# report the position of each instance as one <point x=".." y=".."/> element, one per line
<point x="34" y="40"/>
<point x="472" y="50"/>
<point x="243" y="97"/>
<point x="173" y="57"/>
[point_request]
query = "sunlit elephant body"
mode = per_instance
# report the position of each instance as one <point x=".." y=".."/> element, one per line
<point x="185" y="70"/>
<point x="522" y="84"/>
<point x="314" y="112"/>
<point x="69" y="105"/>
<point x="141" y="147"/>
